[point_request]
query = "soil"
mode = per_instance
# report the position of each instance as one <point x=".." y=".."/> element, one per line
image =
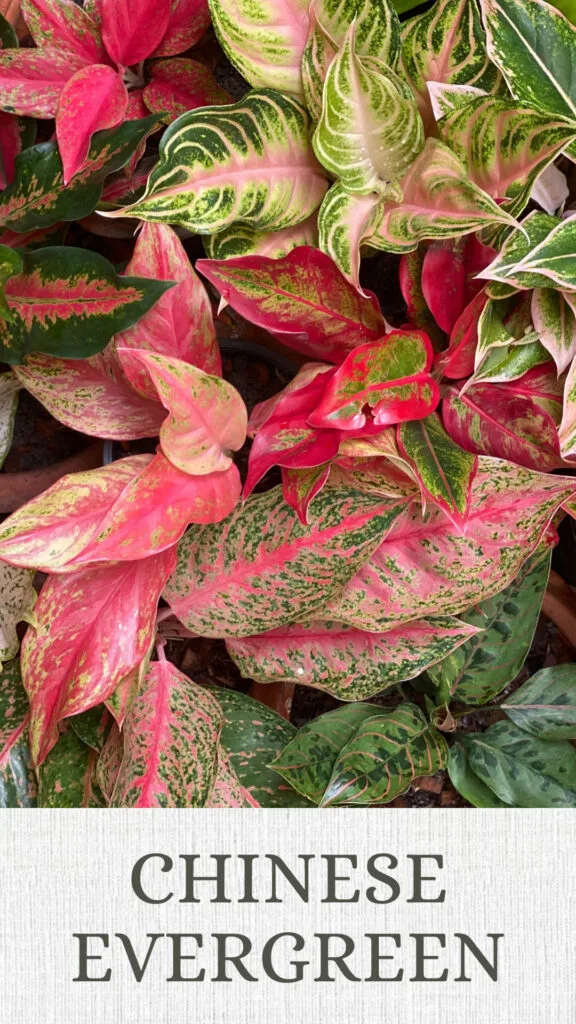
<point x="39" y="440"/>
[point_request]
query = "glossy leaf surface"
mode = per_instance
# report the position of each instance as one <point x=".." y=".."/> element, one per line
<point x="545" y="706"/>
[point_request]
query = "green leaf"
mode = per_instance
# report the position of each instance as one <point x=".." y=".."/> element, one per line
<point x="481" y="668"/>
<point x="466" y="781"/>
<point x="67" y="778"/>
<point x="17" y="599"/>
<point x="444" y="470"/>
<point x="9" y="390"/>
<point x="250" y="161"/>
<point x="522" y="770"/>
<point x="345" y="220"/>
<point x="535" y="228"/>
<point x="70" y="302"/>
<point x="263" y="40"/>
<point x="37" y="197"/>
<point x="554" y="258"/>
<point x="10" y="264"/>
<point x="92" y="726"/>
<point x="546" y="705"/>
<point x="252" y="736"/>
<point x="554" y="318"/>
<point x="17" y="779"/>
<point x="534" y="46"/>
<point x="370" y="130"/>
<point x="8" y="37"/>
<point x="307" y="762"/>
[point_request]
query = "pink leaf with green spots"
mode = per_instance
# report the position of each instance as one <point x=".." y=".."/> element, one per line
<point x="181" y="323"/>
<point x="92" y="628"/>
<point x="300" y="487"/>
<point x="346" y="662"/>
<point x="31" y="80"/>
<point x="228" y="790"/>
<point x="182" y="84"/>
<point x="93" y="99"/>
<point x="303" y="299"/>
<point x="389" y="377"/>
<point x="64" y="25"/>
<point x="170" y="743"/>
<point x="426" y="566"/>
<point x="188" y="22"/>
<point x="207" y="418"/>
<point x="132" y="31"/>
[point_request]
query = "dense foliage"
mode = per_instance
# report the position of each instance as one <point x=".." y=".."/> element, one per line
<point x="425" y="463"/>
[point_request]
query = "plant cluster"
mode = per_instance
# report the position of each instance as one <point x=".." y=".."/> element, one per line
<point x="425" y="464"/>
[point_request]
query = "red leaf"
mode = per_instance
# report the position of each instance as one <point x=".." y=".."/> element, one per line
<point x="179" y="85"/>
<point x="458" y="359"/>
<point x="207" y="415"/>
<point x="188" y="22"/>
<point x="10" y="146"/>
<point x="92" y="628"/>
<point x="390" y="377"/>
<point x="448" y="277"/>
<point x="302" y="298"/>
<point x="31" y="80"/>
<point x="132" y="31"/>
<point x="410" y="280"/>
<point x="300" y="487"/>
<point x="503" y="421"/>
<point x="65" y="26"/>
<point x="180" y="324"/>
<point x="93" y="99"/>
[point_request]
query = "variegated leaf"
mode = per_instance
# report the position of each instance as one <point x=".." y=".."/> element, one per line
<point x="345" y="221"/>
<point x="505" y="147"/>
<point x="554" y="258"/>
<point x="18" y="784"/>
<point x="91" y="629"/>
<point x="446" y="44"/>
<point x="567" y="428"/>
<point x="300" y="487"/>
<point x="70" y="302"/>
<point x="458" y="360"/>
<point x="250" y="161"/>
<point x="93" y="726"/>
<point x="65" y="26"/>
<point x="303" y="299"/>
<point x="554" y="319"/>
<point x="444" y="470"/>
<point x="380" y="383"/>
<point x="417" y="309"/>
<point x="242" y="240"/>
<point x="265" y="41"/>
<point x="227" y="791"/>
<point x="67" y="778"/>
<point x="37" y="198"/>
<point x="31" y="80"/>
<point x="17" y="600"/>
<point x="318" y="55"/>
<point x="501" y="272"/>
<point x="449" y="277"/>
<point x="252" y="736"/>
<point x="482" y="666"/>
<point x="93" y="99"/>
<point x="188" y="22"/>
<point x="109" y="763"/>
<point x="546" y="705"/>
<point x="439" y="201"/>
<point x="346" y="662"/>
<point x="179" y="85"/>
<point x="465" y="780"/>
<point x="171" y="738"/>
<point x="425" y="566"/>
<point x="263" y="568"/>
<point x="370" y="130"/>
<point x="9" y="388"/>
<point x="206" y="416"/>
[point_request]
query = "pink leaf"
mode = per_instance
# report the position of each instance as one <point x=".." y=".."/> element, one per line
<point x="390" y="377"/>
<point x="94" y="98"/>
<point x="459" y="358"/>
<point x="91" y="629"/>
<point x="449" y="277"/>
<point x="10" y="146"/>
<point x="181" y="84"/>
<point x="31" y="80"/>
<point x="180" y="324"/>
<point x="302" y="298"/>
<point x="188" y="22"/>
<point x="63" y="25"/>
<point x="207" y="416"/>
<point x="132" y="31"/>
<point x="300" y="487"/>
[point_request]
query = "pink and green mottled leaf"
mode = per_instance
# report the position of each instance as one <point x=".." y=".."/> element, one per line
<point x="120" y="702"/>
<point x="65" y="26"/>
<point x="17" y="600"/>
<point x="180" y="325"/>
<point x="171" y="738"/>
<point x="502" y="273"/>
<point x="91" y="100"/>
<point x="263" y="568"/>
<point x="444" y="470"/>
<point x="317" y="57"/>
<point x="31" y="80"/>
<point x="181" y="84"/>
<point x="67" y="778"/>
<point x="426" y="566"/>
<point x="501" y="421"/>
<point x="206" y="416"/>
<point x="188" y="22"/>
<point x="303" y="299"/>
<point x="554" y="319"/>
<point x="228" y="792"/>
<point x="131" y="32"/>
<point x="18" y="785"/>
<point x="553" y="258"/>
<point x="300" y="487"/>
<point x="70" y="302"/>
<point x="345" y="222"/>
<point x="346" y="662"/>
<point x="390" y="378"/>
<point x="242" y="240"/>
<point x="567" y="429"/>
<point x="76" y="654"/>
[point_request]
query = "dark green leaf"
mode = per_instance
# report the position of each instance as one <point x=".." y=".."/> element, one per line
<point x="8" y="37"/>
<point x="522" y="770"/>
<point x="466" y="781"/>
<point x="17" y="778"/>
<point x="93" y="726"/>
<point x="67" y="776"/>
<point x="546" y="705"/>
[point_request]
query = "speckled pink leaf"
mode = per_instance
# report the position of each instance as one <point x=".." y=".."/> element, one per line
<point x="93" y="99"/>
<point x="64" y="25"/>
<point x="207" y="418"/>
<point x="300" y="487"/>
<point x="181" y="322"/>
<point x="132" y="31"/>
<point x="182" y="84"/>
<point x="188" y="22"/>
<point x="92" y="628"/>
<point x="31" y="80"/>
<point x="228" y="790"/>
<point x="170" y="743"/>
<point x="426" y="566"/>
